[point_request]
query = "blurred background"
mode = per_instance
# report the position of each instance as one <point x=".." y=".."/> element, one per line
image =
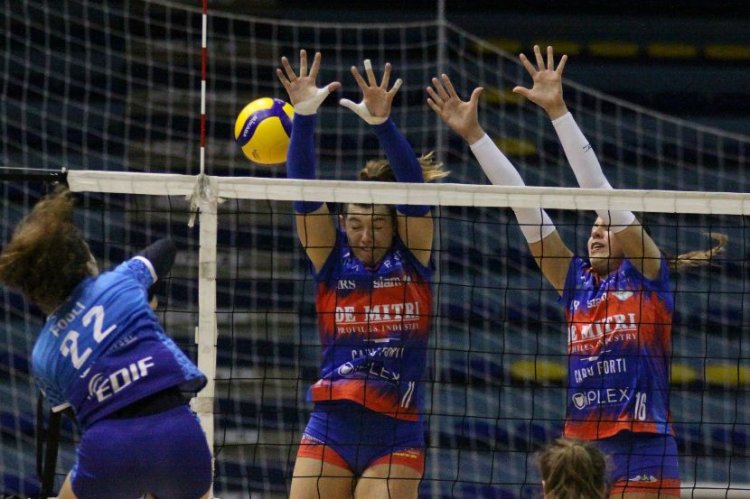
<point x="659" y="88"/>
<point x="688" y="58"/>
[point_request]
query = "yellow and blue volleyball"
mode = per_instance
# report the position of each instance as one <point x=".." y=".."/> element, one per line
<point x="262" y="130"/>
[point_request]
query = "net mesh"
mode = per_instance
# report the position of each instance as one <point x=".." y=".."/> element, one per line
<point x="114" y="86"/>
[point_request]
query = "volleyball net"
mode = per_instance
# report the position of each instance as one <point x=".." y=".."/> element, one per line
<point x="497" y="371"/>
<point x="95" y="87"/>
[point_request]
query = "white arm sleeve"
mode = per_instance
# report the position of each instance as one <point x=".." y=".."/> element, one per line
<point x="587" y="169"/>
<point x="535" y="223"/>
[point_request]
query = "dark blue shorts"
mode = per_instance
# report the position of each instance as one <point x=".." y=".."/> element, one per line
<point x="361" y="437"/>
<point x="642" y="462"/>
<point x="165" y="454"/>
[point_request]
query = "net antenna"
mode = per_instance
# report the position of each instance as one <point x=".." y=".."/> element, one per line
<point x="204" y="201"/>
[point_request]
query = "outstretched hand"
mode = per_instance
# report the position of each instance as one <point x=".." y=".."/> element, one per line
<point x="547" y="90"/>
<point x="377" y="99"/>
<point x="305" y="96"/>
<point x="461" y="116"/>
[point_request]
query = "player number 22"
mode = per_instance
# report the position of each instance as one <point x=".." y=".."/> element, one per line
<point x="69" y="346"/>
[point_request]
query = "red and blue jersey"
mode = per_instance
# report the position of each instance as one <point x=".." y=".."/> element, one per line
<point x="104" y="348"/>
<point x="374" y="325"/>
<point x="619" y="337"/>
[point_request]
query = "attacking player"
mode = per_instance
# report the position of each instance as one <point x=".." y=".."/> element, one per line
<point x="103" y="353"/>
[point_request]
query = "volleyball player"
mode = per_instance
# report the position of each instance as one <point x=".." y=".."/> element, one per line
<point x="573" y="468"/>
<point x="365" y="437"/>
<point x="103" y="352"/>
<point x="618" y="302"/>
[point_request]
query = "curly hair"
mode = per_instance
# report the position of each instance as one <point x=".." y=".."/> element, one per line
<point x="379" y="170"/>
<point x="46" y="257"/>
<point x="573" y="469"/>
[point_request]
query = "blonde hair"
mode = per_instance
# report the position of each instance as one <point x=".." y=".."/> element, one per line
<point x="379" y="170"/>
<point x="573" y="469"/>
<point x="698" y="258"/>
<point x="47" y="257"/>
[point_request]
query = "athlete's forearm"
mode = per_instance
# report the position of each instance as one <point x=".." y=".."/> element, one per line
<point x="301" y="160"/>
<point x="535" y="223"/>
<point x="587" y="169"/>
<point x="403" y="161"/>
<point x="161" y="254"/>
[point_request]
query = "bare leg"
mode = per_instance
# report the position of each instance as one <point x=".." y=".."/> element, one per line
<point x="314" y="479"/>
<point x="388" y="481"/>
<point x="66" y="492"/>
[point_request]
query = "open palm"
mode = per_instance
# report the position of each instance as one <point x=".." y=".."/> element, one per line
<point x="546" y="92"/>
<point x="460" y="116"/>
<point x="377" y="97"/>
<point x="302" y="87"/>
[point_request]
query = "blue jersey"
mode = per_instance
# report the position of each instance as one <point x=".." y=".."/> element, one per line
<point x="104" y="348"/>
<point x="619" y="337"/>
<point x="374" y="325"/>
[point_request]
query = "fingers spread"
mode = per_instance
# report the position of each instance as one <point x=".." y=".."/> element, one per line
<point x="436" y="99"/>
<point x="283" y="79"/>
<point x="396" y="85"/>
<point x="475" y="95"/>
<point x="290" y="74"/>
<point x="358" y="78"/>
<point x="449" y="86"/>
<point x="370" y="73"/>
<point x="315" y="66"/>
<point x="302" y="63"/>
<point x="440" y="89"/>
<point x="527" y="64"/>
<point x="550" y="57"/>
<point x="434" y="106"/>
<point x="538" y="56"/>
<point x="386" y="76"/>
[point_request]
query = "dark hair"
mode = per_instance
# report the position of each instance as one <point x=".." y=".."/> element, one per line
<point x="47" y="257"/>
<point x="573" y="469"/>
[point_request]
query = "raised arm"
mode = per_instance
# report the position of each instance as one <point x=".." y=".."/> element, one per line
<point x="315" y="227"/>
<point x="415" y="224"/>
<point x="161" y="255"/>
<point x="547" y="93"/>
<point x="545" y="244"/>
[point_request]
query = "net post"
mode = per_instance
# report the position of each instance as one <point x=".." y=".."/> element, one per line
<point x="206" y="332"/>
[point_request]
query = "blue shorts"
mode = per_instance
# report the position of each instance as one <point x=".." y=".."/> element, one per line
<point x="361" y="437"/>
<point x="164" y="454"/>
<point x="642" y="462"/>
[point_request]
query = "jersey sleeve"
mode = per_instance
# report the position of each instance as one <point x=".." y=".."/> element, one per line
<point x="661" y="285"/>
<point x="140" y="268"/>
<point x="577" y="264"/>
<point x="425" y="271"/>
<point x="334" y="257"/>
<point x="161" y="255"/>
